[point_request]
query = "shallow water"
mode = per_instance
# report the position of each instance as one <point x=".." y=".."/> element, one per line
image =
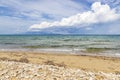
<point x="73" y="44"/>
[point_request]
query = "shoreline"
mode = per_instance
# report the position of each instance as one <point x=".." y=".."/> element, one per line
<point x="84" y="62"/>
<point x="69" y="52"/>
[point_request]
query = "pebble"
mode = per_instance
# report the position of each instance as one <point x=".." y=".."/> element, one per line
<point x="30" y="71"/>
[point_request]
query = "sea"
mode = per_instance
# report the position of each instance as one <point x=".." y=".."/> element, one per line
<point x="107" y="45"/>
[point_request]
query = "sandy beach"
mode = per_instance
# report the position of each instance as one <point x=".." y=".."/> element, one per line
<point x="59" y="39"/>
<point x="92" y="63"/>
<point x="68" y="61"/>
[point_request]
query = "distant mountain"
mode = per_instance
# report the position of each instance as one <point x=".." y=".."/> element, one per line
<point x="59" y="30"/>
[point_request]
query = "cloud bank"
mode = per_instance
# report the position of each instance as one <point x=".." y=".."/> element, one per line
<point x="98" y="14"/>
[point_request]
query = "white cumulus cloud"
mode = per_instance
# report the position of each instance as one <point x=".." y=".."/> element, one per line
<point x="99" y="13"/>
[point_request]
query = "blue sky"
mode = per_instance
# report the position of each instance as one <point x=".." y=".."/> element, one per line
<point x="58" y="16"/>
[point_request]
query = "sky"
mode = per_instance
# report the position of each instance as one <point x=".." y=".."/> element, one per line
<point x="60" y="17"/>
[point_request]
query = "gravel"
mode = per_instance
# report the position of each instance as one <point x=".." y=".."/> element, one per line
<point x="10" y="70"/>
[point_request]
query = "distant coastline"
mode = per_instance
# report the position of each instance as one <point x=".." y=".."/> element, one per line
<point x="47" y="34"/>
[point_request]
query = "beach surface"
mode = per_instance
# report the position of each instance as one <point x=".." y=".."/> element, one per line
<point x="99" y="67"/>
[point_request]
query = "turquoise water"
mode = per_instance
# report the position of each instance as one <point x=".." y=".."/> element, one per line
<point x="74" y="44"/>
